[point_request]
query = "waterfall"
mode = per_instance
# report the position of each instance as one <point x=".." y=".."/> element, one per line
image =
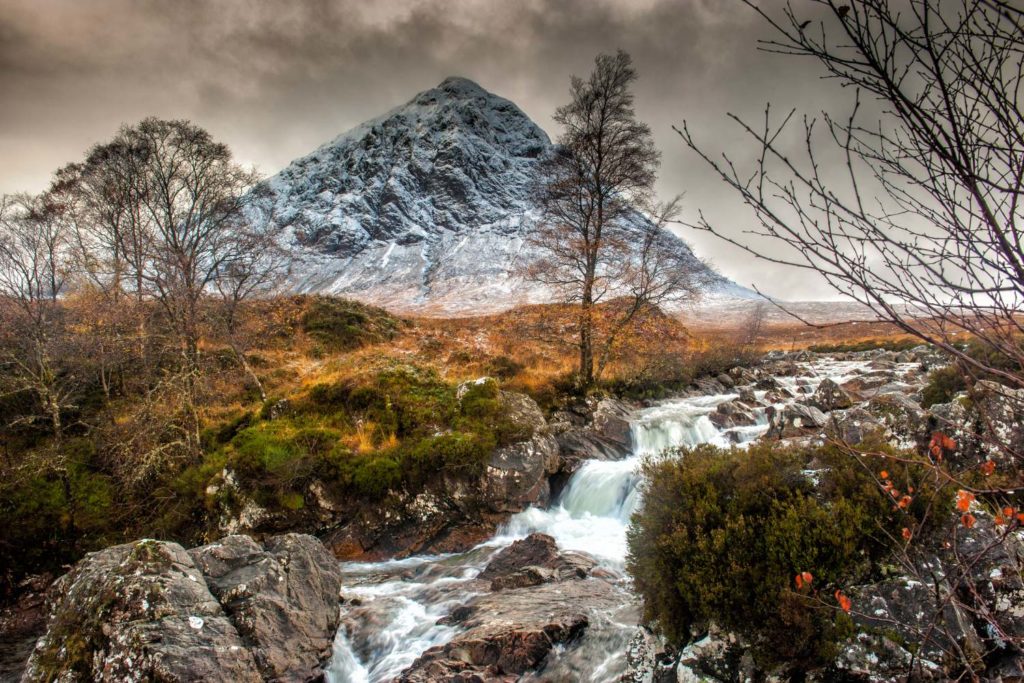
<point x="402" y="600"/>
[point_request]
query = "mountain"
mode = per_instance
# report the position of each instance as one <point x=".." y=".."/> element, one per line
<point x="426" y="207"/>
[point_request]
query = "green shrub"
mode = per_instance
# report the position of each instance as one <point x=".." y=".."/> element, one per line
<point x="374" y="477"/>
<point x="942" y="385"/>
<point x="722" y="534"/>
<point x="345" y="325"/>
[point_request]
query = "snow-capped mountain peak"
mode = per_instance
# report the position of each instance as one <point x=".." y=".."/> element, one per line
<point x="422" y="209"/>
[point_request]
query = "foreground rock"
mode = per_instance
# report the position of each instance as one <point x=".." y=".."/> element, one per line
<point x="540" y="601"/>
<point x="230" y="611"/>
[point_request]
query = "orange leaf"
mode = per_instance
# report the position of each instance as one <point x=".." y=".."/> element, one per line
<point x="968" y="520"/>
<point x="883" y="474"/>
<point x="964" y="500"/>
<point x="844" y="602"/>
<point x="1008" y="511"/>
<point x="906" y="534"/>
<point x="987" y="468"/>
<point x="905" y="502"/>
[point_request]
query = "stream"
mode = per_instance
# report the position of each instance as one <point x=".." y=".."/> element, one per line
<point x="401" y="601"/>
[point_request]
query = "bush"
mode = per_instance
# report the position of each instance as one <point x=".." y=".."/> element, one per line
<point x="345" y="325"/>
<point x="722" y="534"/>
<point x="942" y="385"/>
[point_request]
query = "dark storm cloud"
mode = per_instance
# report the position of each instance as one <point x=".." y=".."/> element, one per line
<point x="276" y="79"/>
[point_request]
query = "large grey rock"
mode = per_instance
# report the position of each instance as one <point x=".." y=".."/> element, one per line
<point x="730" y="414"/>
<point x="509" y="633"/>
<point x="830" y="396"/>
<point x="853" y="426"/>
<point x="1000" y="411"/>
<point x="795" y="419"/>
<point x="908" y="608"/>
<point x="135" y="612"/>
<point x="282" y="598"/>
<point x="230" y="611"/>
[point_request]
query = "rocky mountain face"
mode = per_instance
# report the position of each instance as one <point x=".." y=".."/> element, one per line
<point x="426" y="207"/>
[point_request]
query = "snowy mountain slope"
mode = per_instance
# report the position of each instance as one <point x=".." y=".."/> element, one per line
<point x="425" y="208"/>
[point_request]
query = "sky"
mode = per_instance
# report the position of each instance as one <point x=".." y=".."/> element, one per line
<point x="275" y="79"/>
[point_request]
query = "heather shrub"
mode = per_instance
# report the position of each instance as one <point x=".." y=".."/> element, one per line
<point x="722" y="534"/>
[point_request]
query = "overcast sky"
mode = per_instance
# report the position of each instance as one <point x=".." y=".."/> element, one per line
<point x="275" y="79"/>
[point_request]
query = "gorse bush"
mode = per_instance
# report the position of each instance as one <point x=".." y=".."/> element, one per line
<point x="722" y="534"/>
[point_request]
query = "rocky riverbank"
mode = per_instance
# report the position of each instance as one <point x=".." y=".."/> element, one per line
<point x="547" y="604"/>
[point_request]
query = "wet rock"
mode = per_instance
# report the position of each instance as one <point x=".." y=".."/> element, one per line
<point x="611" y="421"/>
<point x="511" y="632"/>
<point x="906" y="608"/>
<point x="794" y="420"/>
<point x="748" y="397"/>
<point x="147" y="611"/>
<point x="830" y="396"/>
<point x="282" y="598"/>
<point x="732" y="414"/>
<point x="537" y="551"/>
<point x="139" y="611"/>
<point x="527" y="576"/>
<point x="21" y="624"/>
<point x="866" y="385"/>
<point x="726" y="380"/>
<point x="853" y="426"/>
<point x="709" y="386"/>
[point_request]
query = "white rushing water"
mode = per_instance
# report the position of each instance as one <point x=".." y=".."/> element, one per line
<point x="401" y="601"/>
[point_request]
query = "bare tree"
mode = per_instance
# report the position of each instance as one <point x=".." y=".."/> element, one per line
<point x="924" y="226"/>
<point x="595" y="243"/>
<point x="923" y="222"/>
<point x="255" y="271"/>
<point x="33" y="273"/>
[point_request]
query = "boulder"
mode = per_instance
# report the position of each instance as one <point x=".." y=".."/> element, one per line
<point x="853" y="426"/>
<point x="282" y="597"/>
<point x="906" y="608"/>
<point x="732" y="414"/>
<point x="509" y="633"/>
<point x="830" y="396"/>
<point x="748" y="396"/>
<point x="1001" y="410"/>
<point x="147" y="611"/>
<point x="139" y="611"/>
<point x="904" y="417"/>
<point x="794" y="420"/>
<point x="537" y="551"/>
